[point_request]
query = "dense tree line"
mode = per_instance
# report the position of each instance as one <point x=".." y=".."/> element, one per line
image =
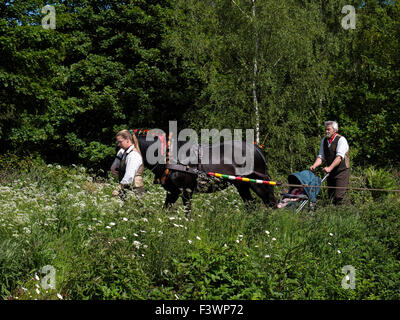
<point x="281" y="68"/>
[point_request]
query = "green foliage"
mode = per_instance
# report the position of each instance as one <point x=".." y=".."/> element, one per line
<point x="103" y="248"/>
<point x="380" y="179"/>
<point x="111" y="65"/>
<point x="366" y="85"/>
<point x="219" y="272"/>
<point x="63" y="91"/>
<point x="96" y="152"/>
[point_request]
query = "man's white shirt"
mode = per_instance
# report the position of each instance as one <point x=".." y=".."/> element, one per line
<point x="133" y="163"/>
<point x="341" y="149"/>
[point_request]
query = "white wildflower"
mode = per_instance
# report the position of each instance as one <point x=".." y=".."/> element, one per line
<point x="331" y="234"/>
<point x="190" y="241"/>
<point x="108" y="227"/>
<point x="339" y="251"/>
<point x="59" y="296"/>
<point x="198" y="238"/>
<point x="267" y="256"/>
<point x="137" y="244"/>
<point x="125" y="219"/>
<point x="37" y="291"/>
<point x="273" y="239"/>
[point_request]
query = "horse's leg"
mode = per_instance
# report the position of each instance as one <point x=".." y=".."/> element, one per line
<point x="171" y="199"/>
<point x="244" y="192"/>
<point x="187" y="203"/>
<point x="266" y="193"/>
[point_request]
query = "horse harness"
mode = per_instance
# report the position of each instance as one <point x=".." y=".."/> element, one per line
<point x="192" y="169"/>
<point x="195" y="169"/>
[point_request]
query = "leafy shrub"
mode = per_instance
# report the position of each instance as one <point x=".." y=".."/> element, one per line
<point x="380" y="179"/>
<point x="217" y="273"/>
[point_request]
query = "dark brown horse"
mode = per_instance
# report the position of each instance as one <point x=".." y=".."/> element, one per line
<point x="187" y="175"/>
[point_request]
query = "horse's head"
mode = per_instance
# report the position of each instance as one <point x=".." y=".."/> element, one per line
<point x="153" y="149"/>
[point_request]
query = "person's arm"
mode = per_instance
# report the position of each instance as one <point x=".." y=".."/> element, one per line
<point x="115" y="166"/>
<point x="316" y="164"/>
<point x="116" y="163"/>
<point x="342" y="147"/>
<point x="341" y="150"/>
<point x="334" y="164"/>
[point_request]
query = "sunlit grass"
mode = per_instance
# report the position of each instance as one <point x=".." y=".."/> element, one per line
<point x="104" y="248"/>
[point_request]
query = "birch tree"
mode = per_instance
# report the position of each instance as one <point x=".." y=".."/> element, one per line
<point x="255" y="68"/>
<point x="263" y="65"/>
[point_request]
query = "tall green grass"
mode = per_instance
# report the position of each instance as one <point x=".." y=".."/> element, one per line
<point x="104" y="248"/>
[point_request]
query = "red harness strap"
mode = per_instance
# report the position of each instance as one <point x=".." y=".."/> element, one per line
<point x="166" y="172"/>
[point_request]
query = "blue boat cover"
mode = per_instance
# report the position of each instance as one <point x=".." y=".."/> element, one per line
<point x="307" y="177"/>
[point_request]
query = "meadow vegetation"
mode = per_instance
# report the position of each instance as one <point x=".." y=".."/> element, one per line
<point x="104" y="248"/>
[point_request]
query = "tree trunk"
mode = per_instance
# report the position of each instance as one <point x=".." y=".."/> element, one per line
<point x="255" y="100"/>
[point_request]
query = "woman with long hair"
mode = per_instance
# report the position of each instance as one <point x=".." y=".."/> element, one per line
<point x="128" y="164"/>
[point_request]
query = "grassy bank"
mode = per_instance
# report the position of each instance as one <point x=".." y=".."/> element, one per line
<point x="103" y="248"/>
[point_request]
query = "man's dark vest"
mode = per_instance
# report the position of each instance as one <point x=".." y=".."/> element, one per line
<point x="330" y="155"/>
